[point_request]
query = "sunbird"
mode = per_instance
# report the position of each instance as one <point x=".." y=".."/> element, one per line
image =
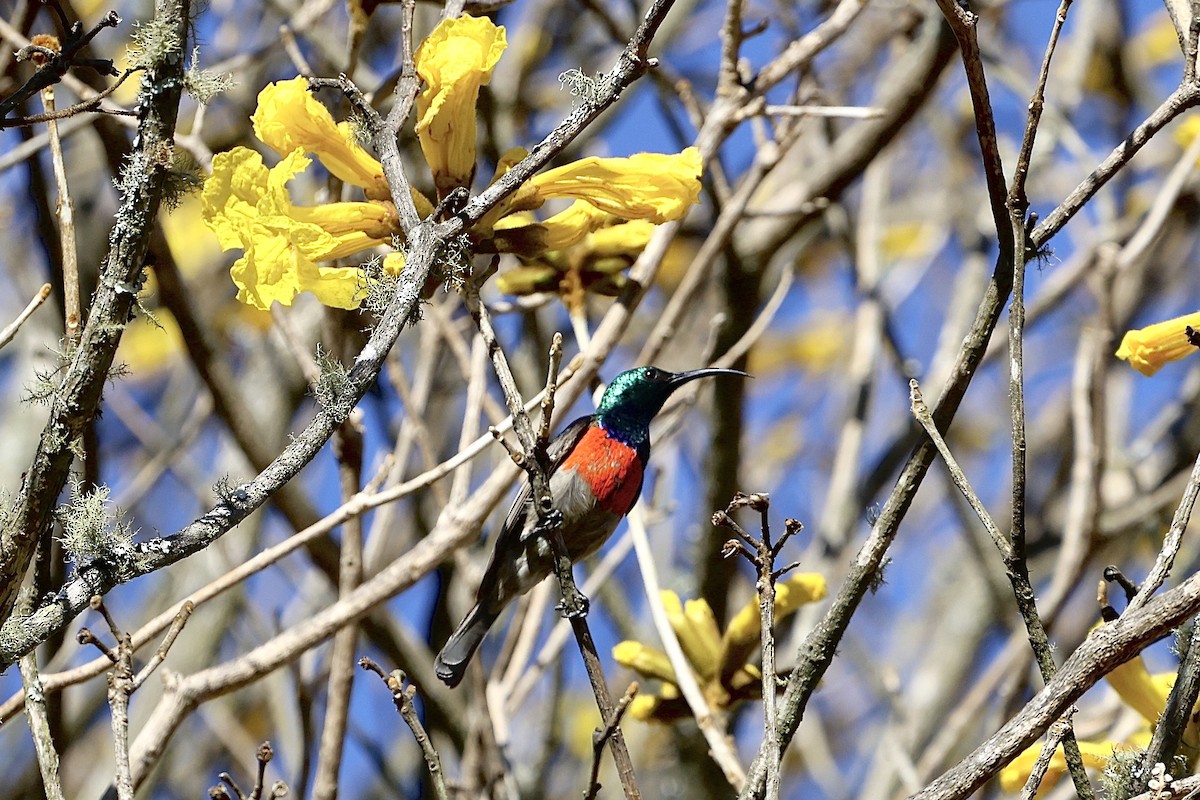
<point x="596" y="468"/>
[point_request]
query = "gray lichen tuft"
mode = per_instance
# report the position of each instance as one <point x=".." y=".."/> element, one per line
<point x="205" y="84"/>
<point x="46" y="382"/>
<point x="585" y="87"/>
<point x="454" y="267"/>
<point x="183" y="177"/>
<point x="91" y="531"/>
<point x="377" y="287"/>
<point x="153" y="41"/>
<point x="333" y="386"/>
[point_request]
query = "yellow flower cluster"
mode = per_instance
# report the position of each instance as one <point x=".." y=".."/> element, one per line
<point x="1141" y="691"/>
<point x="720" y="661"/>
<point x="247" y="205"/>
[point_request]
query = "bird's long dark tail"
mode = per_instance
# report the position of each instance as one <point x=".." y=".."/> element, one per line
<point x="452" y="662"/>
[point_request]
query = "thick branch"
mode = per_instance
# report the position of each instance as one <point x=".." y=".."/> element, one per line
<point x="1107" y="647"/>
<point x="76" y="402"/>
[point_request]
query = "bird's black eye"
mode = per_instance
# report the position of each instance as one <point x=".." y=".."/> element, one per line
<point x="653" y="374"/>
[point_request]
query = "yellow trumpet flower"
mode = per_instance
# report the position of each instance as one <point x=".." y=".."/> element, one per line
<point x="454" y="61"/>
<point x="1148" y="349"/>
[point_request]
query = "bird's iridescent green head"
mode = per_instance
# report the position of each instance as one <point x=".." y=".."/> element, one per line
<point x="637" y="395"/>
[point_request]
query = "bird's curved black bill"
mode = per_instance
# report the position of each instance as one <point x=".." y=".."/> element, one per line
<point x="679" y="379"/>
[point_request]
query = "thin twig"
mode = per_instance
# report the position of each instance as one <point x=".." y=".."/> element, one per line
<point x="520" y="681"/>
<point x="1018" y="576"/>
<point x="731" y="35"/>
<point x="66" y="228"/>
<point x="38" y="716"/>
<point x="1054" y="737"/>
<point x="552" y="367"/>
<point x="92" y="103"/>
<point x="1185" y="97"/>
<point x="181" y="618"/>
<point x="348" y="450"/>
<point x="263" y="756"/>
<point x="39" y="727"/>
<point x="1171" y="542"/>
<point x="1017" y="199"/>
<point x="921" y="412"/>
<point x="120" y="687"/>
<point x="402" y="698"/>
<point x="963" y="22"/>
<point x="601" y="737"/>
<point x="54" y="63"/>
<point x="762" y="554"/>
<point x="844" y="112"/>
<point x="10" y="330"/>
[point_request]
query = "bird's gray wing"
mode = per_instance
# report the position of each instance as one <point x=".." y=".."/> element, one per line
<point x="507" y="546"/>
<point x="557" y="450"/>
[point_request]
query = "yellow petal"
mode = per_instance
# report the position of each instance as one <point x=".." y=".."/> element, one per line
<point x="288" y="117"/>
<point x="454" y="61"/>
<point x="232" y="193"/>
<point x="1014" y="775"/>
<point x="798" y="590"/>
<point x="393" y="263"/>
<point x="568" y="227"/>
<point x="1147" y="349"/>
<point x="278" y="264"/>
<point x="377" y="221"/>
<point x="746" y="626"/>
<point x="643" y="707"/>
<point x="248" y="207"/>
<point x="671" y="602"/>
<point x="1139" y="689"/>
<point x="529" y="280"/>
<point x="745" y="629"/>
<point x="704" y="637"/>
<point x="628" y="239"/>
<point x="694" y="640"/>
<point x="645" y="660"/>
<point x="280" y="261"/>
<point x="337" y="287"/>
<point x="268" y="270"/>
<point x="653" y="186"/>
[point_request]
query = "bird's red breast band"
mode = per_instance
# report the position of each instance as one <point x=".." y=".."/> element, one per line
<point x="611" y="468"/>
